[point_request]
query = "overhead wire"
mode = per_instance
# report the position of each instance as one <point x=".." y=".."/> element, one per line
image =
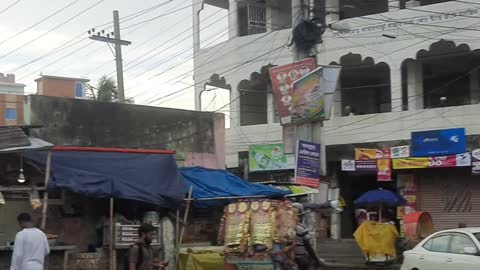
<point x="39" y="22"/>
<point x="51" y="30"/>
<point x="10" y="6"/>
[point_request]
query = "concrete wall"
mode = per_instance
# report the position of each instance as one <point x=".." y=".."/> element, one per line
<point x="56" y="88"/>
<point x="90" y="123"/>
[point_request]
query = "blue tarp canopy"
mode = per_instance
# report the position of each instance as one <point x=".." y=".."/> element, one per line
<point x="144" y="177"/>
<point x="210" y="184"/>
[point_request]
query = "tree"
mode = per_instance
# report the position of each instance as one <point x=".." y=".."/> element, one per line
<point x="106" y="89"/>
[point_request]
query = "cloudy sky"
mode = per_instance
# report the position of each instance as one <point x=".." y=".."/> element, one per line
<point x="50" y="37"/>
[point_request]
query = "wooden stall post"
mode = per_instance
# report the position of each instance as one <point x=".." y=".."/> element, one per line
<point x="112" y="236"/>
<point x="45" y="193"/>
<point x="182" y="231"/>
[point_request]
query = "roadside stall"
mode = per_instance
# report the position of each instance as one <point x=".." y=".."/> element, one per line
<point x="377" y="238"/>
<point x="23" y="189"/>
<point x="125" y="180"/>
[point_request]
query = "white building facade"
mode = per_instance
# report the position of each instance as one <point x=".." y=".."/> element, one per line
<point x="406" y="66"/>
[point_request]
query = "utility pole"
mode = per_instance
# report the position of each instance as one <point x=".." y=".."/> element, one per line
<point x="118" y="43"/>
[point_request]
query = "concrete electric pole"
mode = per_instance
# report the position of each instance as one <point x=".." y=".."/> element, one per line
<point x="118" y="43"/>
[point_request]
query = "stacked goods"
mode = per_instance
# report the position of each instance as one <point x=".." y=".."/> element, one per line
<point x="256" y="227"/>
<point x="237" y="227"/>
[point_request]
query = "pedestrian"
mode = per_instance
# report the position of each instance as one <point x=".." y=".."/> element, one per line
<point x="30" y="246"/>
<point x="305" y="255"/>
<point x="140" y="255"/>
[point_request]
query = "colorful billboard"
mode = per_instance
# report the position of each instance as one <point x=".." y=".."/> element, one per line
<point x="438" y="142"/>
<point x="307" y="171"/>
<point x="460" y="160"/>
<point x="310" y="101"/>
<point x="282" y="78"/>
<point x="268" y="157"/>
<point x="384" y="169"/>
<point x="476" y="162"/>
<point x="369" y="153"/>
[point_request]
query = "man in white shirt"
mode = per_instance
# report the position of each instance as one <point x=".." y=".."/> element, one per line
<point x="30" y="247"/>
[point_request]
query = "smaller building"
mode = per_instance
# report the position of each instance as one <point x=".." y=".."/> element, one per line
<point x="56" y="86"/>
<point x="11" y="100"/>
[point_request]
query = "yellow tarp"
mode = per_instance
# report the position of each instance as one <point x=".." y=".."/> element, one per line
<point x="377" y="239"/>
<point x="201" y="261"/>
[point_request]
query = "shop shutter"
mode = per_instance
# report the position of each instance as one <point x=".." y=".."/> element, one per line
<point x="450" y="200"/>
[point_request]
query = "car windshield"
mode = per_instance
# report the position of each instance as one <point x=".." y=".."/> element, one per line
<point x="477" y="235"/>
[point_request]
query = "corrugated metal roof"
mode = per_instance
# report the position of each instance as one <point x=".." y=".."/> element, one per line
<point x="13" y="137"/>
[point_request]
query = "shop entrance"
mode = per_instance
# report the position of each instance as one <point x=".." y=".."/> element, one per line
<point x="352" y="186"/>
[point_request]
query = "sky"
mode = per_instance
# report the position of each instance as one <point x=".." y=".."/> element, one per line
<point x="50" y="37"/>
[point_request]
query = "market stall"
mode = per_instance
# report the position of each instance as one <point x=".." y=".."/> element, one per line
<point x="128" y="176"/>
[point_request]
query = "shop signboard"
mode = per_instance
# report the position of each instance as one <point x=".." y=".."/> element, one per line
<point x="269" y="157"/>
<point x="282" y="78"/>
<point x="348" y="165"/>
<point x="460" y="160"/>
<point x="384" y="169"/>
<point x="366" y="165"/>
<point x="307" y="171"/>
<point x="371" y="153"/>
<point x="438" y="142"/>
<point x="400" y="151"/>
<point x="476" y="162"/>
<point x="410" y="163"/>
<point x="312" y="94"/>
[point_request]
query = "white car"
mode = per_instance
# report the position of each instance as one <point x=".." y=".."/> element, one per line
<point x="457" y="249"/>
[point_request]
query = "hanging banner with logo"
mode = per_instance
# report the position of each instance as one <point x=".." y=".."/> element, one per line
<point x="310" y="92"/>
<point x="476" y="162"/>
<point x="348" y="165"/>
<point x="384" y="169"/>
<point x="307" y="171"/>
<point x="366" y="165"/>
<point x="460" y="160"/>
<point x="410" y="163"/>
<point x="438" y="142"/>
<point x="370" y="154"/>
<point x="282" y="78"/>
<point x="268" y="157"/>
<point x="400" y="151"/>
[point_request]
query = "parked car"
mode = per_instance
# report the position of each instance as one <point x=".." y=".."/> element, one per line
<point x="446" y="250"/>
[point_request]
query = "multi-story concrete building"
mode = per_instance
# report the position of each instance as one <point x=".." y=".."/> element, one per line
<point x="406" y="66"/>
<point x="11" y="100"/>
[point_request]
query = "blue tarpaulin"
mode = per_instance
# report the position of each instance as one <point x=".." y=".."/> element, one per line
<point x="208" y="183"/>
<point x="149" y="178"/>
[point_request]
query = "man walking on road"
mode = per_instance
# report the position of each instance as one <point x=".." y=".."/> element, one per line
<point x="30" y="247"/>
<point x="140" y="255"/>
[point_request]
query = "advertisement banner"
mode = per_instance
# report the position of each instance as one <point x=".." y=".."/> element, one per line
<point x="369" y="153"/>
<point x="268" y="157"/>
<point x="410" y="163"/>
<point x="438" y="142"/>
<point x="384" y="169"/>
<point x="348" y="165"/>
<point x="282" y="78"/>
<point x="366" y="165"/>
<point x="400" y="151"/>
<point x="307" y="171"/>
<point x="476" y="162"/>
<point x="309" y="94"/>
<point x="460" y="160"/>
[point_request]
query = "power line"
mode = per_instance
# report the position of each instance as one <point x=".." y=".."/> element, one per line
<point x="39" y="22"/>
<point x="156" y="17"/>
<point x="10" y="6"/>
<point x="51" y="30"/>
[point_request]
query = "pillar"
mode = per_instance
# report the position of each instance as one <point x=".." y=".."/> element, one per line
<point x="337" y="101"/>
<point x="197" y="7"/>
<point x="415" y="85"/>
<point x="270" y="108"/>
<point x="393" y="5"/>
<point x="198" y="96"/>
<point x="396" y="87"/>
<point x="474" y="87"/>
<point x="235" y="105"/>
<point x="233" y="18"/>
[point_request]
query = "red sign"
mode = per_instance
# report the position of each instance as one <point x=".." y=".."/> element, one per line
<point x="282" y="78"/>
<point x="384" y="169"/>
<point x="460" y="160"/>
